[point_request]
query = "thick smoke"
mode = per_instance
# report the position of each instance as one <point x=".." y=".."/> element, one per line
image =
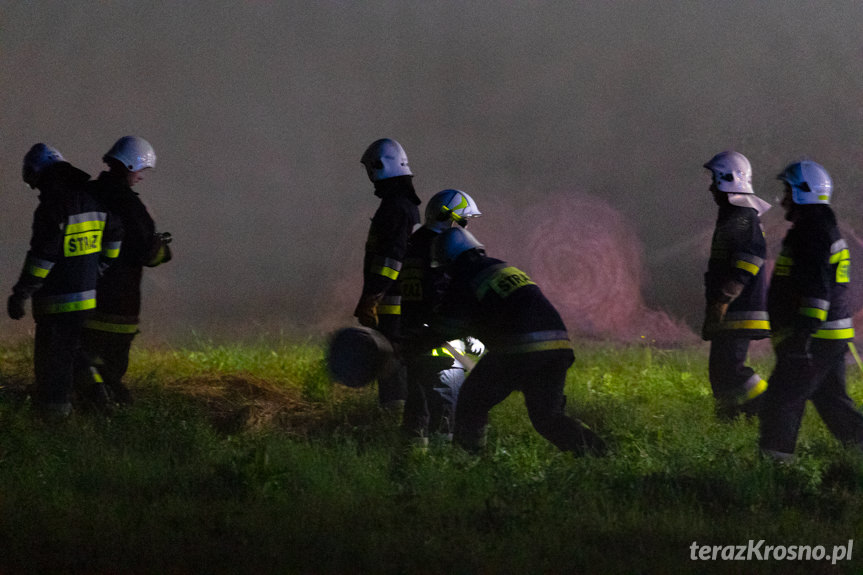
<point x="259" y="113"/>
<point x="587" y="258"/>
<point x="582" y="252"/>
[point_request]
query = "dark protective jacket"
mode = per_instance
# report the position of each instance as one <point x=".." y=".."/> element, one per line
<point x="421" y="285"/>
<point x="387" y="242"/>
<point x="73" y="240"/>
<point x="809" y="288"/>
<point x="500" y="305"/>
<point x="737" y="254"/>
<point x="120" y="286"/>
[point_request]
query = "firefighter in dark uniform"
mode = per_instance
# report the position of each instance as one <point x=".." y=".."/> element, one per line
<point x="394" y="221"/>
<point x="110" y="331"/>
<point x="529" y="349"/>
<point x="811" y="318"/>
<point x="434" y="375"/>
<point x="735" y="286"/>
<point x="73" y="240"/>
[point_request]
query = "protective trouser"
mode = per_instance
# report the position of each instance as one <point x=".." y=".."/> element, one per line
<point x="392" y="387"/>
<point x="823" y="382"/>
<point x="56" y="351"/>
<point x="433" y="389"/>
<point x="109" y="352"/>
<point x="733" y="382"/>
<point x="540" y="376"/>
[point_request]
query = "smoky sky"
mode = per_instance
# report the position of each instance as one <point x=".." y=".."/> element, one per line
<point x="260" y="111"/>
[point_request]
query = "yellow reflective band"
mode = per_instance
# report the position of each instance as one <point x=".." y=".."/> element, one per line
<point x="439" y="351"/>
<point x="111" y="249"/>
<point x="82" y="227"/>
<point x="748" y="267"/>
<point x="389" y="310"/>
<point x="842" y="275"/>
<point x="839" y="256"/>
<point x="111" y="327"/>
<point x="847" y="333"/>
<point x="66" y="306"/>
<point x="37" y="271"/>
<point x="746" y="324"/>
<point x="537" y="346"/>
<point x="823" y="198"/>
<point x="813" y="312"/>
<point x="386" y="272"/>
<point x="756" y="389"/>
<point x="97" y="377"/>
<point x="504" y="282"/>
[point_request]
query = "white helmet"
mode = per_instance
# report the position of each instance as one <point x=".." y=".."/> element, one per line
<point x="448" y="206"/>
<point x="384" y="159"/>
<point x="133" y="152"/>
<point x="732" y="172"/>
<point x="810" y="183"/>
<point x="39" y="157"/>
<point x="450" y="244"/>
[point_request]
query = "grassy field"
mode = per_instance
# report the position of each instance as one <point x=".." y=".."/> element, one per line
<point x="244" y="459"/>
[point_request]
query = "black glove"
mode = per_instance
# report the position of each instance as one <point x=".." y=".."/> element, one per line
<point x="160" y="253"/>
<point x="15" y="306"/>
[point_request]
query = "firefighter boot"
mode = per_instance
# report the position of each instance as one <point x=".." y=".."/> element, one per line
<point x="471" y="440"/>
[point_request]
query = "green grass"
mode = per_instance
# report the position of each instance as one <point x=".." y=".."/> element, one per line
<point x="244" y="459"/>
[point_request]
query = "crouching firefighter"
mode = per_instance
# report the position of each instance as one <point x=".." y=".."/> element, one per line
<point x="434" y="376"/>
<point x="735" y="287"/>
<point x="109" y="332"/>
<point x="73" y="240"/>
<point x="529" y="349"/>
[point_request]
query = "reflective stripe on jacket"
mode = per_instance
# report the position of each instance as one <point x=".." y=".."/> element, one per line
<point x="500" y="305"/>
<point x="737" y="254"/>
<point x="73" y="240"/>
<point x="809" y="287"/>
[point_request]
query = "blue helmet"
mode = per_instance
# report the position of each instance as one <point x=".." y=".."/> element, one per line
<point x="451" y="244"/>
<point x="39" y="157"/>
<point x="810" y="183"/>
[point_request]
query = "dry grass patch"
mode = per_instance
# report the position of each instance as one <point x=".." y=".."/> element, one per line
<point x="240" y="402"/>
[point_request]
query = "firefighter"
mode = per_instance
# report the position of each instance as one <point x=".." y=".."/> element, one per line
<point x="811" y="318"/>
<point x="528" y="346"/>
<point x="735" y="286"/>
<point x="434" y="376"/>
<point x="394" y="221"/>
<point x="73" y="240"/>
<point x="109" y="333"/>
